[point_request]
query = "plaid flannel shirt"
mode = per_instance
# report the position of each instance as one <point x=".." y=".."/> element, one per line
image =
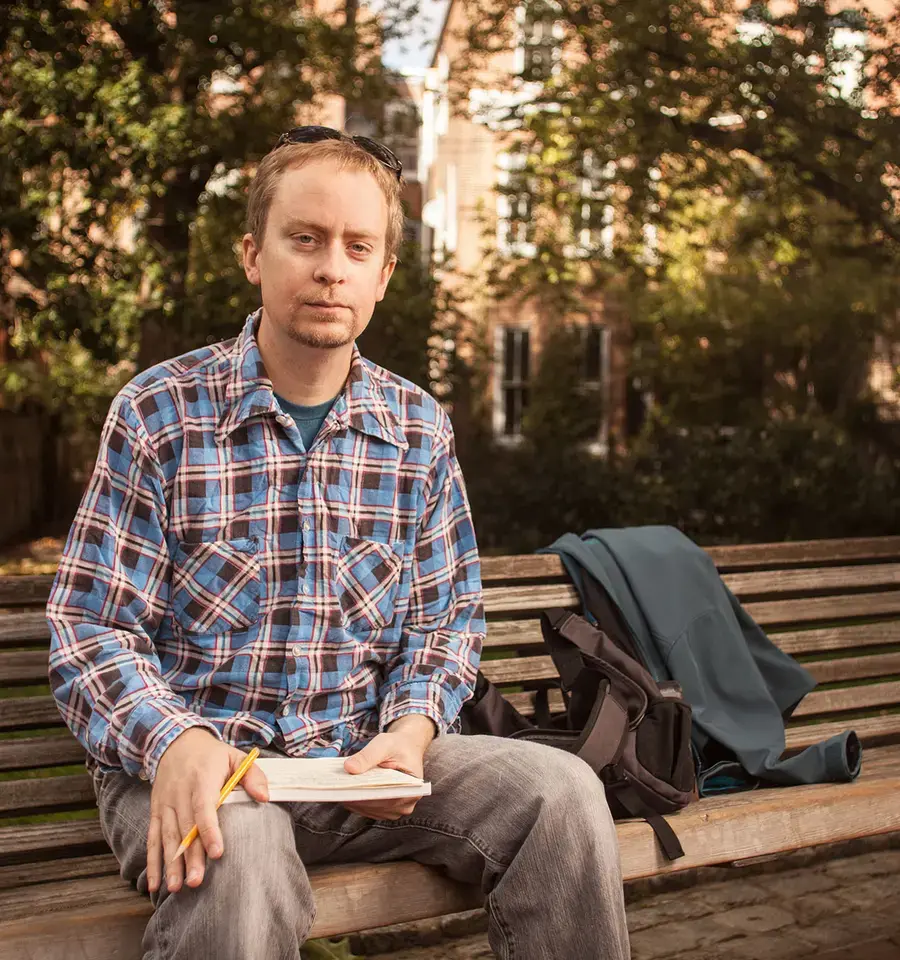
<point x="219" y="575"/>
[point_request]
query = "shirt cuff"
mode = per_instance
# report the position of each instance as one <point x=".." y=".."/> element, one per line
<point x="157" y="724"/>
<point x="430" y="699"/>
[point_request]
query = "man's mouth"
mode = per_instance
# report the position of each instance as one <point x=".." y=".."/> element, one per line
<point x="326" y="305"/>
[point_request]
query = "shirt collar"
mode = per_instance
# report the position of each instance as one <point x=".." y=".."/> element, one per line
<point x="361" y="405"/>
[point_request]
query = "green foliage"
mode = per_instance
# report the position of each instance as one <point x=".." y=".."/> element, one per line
<point x="796" y="480"/>
<point x="327" y="949"/>
<point x="128" y="129"/>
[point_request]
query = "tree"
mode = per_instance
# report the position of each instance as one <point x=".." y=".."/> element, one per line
<point x="663" y="119"/>
<point x="127" y="133"/>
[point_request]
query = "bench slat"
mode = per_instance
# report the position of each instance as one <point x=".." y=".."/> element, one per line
<point x="869" y="730"/>
<point x="17" y="629"/>
<point x="45" y="795"/>
<point x="32" y="753"/>
<point x="543" y="566"/>
<point x="517" y="670"/>
<point x="23" y="713"/>
<point x="50" y="841"/>
<point x="23" y="666"/>
<point x="864" y="697"/>
<point x="502" y="601"/>
<point x="73" y="868"/>
<point x="357" y="896"/>
<point x="527" y="633"/>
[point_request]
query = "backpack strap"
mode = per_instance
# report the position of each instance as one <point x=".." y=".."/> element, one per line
<point x="668" y="839"/>
<point x="603" y="737"/>
<point x="587" y="641"/>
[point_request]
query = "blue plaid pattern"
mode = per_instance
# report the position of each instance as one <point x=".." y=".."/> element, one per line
<point x="218" y="574"/>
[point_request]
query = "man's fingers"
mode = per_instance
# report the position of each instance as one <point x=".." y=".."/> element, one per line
<point x="256" y="784"/>
<point x="171" y="838"/>
<point x="154" y="853"/>
<point x="207" y="820"/>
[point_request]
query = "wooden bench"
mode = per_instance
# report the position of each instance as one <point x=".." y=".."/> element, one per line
<point x="833" y="604"/>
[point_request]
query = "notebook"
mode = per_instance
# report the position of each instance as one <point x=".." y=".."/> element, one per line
<point x="324" y="780"/>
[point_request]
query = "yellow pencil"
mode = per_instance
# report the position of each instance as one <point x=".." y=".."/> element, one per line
<point x="230" y="784"/>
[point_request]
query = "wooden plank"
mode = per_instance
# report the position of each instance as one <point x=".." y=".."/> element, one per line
<point x="513" y="633"/>
<point x="72" y="868"/>
<point x="767" y="613"/>
<point x="868" y="729"/>
<point x="863" y="697"/>
<point x="855" y="550"/>
<point x="502" y="601"/>
<point x="742" y="557"/>
<point x="46" y="841"/>
<point x="25" y="713"/>
<point x="821" y="580"/>
<point x="27" y="590"/>
<point x="855" y="668"/>
<point x="29" y="626"/>
<point x="519" y="669"/>
<point x="23" y="666"/>
<point x="838" y="638"/>
<point x="32" y="753"/>
<point x="46" y="794"/>
<point x="524" y="669"/>
<point x="358" y="896"/>
<point x="765" y="822"/>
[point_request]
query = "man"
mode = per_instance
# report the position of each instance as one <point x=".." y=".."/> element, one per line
<point x="275" y="549"/>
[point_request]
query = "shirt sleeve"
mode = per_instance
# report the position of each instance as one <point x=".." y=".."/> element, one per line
<point x="106" y="605"/>
<point x="434" y="671"/>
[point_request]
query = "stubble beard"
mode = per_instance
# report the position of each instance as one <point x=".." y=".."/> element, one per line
<point x="321" y="331"/>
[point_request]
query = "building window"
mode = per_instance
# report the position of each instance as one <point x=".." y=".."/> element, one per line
<point x="595" y="377"/>
<point x="539" y="40"/>
<point x="515" y="206"/>
<point x="513" y="370"/>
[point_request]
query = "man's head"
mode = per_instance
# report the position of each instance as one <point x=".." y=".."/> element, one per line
<point x="324" y="224"/>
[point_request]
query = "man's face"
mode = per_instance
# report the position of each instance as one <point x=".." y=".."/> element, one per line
<point x="321" y="264"/>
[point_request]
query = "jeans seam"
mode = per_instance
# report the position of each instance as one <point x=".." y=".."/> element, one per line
<point x="504" y="928"/>
<point x="446" y="831"/>
<point x="441" y="829"/>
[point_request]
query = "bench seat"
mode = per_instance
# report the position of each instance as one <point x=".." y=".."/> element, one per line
<point x="833" y="604"/>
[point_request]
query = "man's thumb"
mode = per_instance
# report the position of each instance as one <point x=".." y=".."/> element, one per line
<point x="370" y="756"/>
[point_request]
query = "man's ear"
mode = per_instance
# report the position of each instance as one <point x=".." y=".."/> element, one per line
<point x="250" y="258"/>
<point x="387" y="271"/>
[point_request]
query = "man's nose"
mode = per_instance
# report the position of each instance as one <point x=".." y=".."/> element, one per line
<point x="332" y="265"/>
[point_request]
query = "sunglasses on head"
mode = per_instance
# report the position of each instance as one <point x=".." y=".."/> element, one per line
<point x="314" y="134"/>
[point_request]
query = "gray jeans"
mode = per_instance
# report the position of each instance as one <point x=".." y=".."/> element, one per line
<point x="528" y="823"/>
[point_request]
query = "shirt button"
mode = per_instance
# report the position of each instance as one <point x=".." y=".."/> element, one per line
<point x="296" y="649"/>
<point x="305" y="588"/>
<point x="305" y="526"/>
<point x="283" y="420"/>
<point x="285" y="710"/>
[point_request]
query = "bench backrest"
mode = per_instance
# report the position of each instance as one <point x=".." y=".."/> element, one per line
<point x="835" y="605"/>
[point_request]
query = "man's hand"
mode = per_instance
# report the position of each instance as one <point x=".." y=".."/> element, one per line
<point x="188" y="781"/>
<point x="401" y="747"/>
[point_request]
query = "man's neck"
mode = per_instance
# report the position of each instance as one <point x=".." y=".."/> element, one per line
<point x="303" y="375"/>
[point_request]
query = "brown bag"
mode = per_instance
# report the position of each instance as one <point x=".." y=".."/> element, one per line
<point x="633" y="732"/>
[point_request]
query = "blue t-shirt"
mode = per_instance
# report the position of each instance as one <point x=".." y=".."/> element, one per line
<point x="309" y="420"/>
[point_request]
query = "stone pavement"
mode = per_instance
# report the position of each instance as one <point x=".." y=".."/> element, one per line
<point x="846" y="909"/>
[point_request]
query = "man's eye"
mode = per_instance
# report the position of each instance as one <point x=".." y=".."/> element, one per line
<point x="304" y="238"/>
<point x="359" y="248"/>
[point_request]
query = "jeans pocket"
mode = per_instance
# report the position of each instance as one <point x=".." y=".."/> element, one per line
<point x="216" y="585"/>
<point x="366" y="578"/>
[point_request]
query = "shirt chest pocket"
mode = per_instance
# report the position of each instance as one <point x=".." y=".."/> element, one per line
<point x="216" y="585"/>
<point x="366" y="580"/>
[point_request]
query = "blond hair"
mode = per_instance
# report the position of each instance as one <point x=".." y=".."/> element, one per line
<point x="348" y="156"/>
